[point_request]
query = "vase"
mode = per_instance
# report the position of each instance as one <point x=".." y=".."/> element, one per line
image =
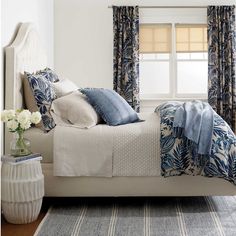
<point x="20" y="146"/>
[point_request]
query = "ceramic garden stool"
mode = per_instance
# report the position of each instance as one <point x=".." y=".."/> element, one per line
<point x="22" y="190"/>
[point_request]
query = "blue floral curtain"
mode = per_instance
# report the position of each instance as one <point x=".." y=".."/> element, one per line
<point x="221" y="61"/>
<point x="126" y="54"/>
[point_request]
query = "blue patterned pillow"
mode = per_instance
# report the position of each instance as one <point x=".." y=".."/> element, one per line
<point x="49" y="74"/>
<point x="44" y="94"/>
<point x="110" y="106"/>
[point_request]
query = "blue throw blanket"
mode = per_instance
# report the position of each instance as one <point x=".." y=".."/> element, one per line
<point x="194" y="120"/>
<point x="179" y="156"/>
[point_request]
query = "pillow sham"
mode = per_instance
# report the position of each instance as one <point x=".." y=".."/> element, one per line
<point x="113" y="109"/>
<point x="29" y="99"/>
<point x="75" y="109"/>
<point x="39" y="94"/>
<point x="64" y="87"/>
<point x="49" y="74"/>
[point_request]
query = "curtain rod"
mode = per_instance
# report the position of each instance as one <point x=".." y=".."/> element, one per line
<point x="169" y="6"/>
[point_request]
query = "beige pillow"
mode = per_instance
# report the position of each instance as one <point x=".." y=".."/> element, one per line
<point x="29" y="99"/>
<point x="75" y="109"/>
<point x="63" y="87"/>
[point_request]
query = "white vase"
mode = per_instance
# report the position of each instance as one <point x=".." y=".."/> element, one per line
<point x="22" y="191"/>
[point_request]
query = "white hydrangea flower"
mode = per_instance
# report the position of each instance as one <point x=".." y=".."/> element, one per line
<point x="35" y="117"/>
<point x="4" y="117"/>
<point x="24" y="117"/>
<point x="8" y="115"/>
<point x="12" y="125"/>
<point x="25" y="125"/>
<point x="11" y="114"/>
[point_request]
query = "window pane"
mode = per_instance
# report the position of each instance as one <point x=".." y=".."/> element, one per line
<point x="148" y="56"/>
<point x="183" y="56"/>
<point x="192" y="77"/>
<point x="198" y="56"/>
<point x="205" y="55"/>
<point x="154" y="56"/>
<point x="154" y="77"/>
<point x="192" y="56"/>
<point x="163" y="56"/>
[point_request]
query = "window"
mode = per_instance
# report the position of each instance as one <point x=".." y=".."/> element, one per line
<point x="173" y="61"/>
<point x="155" y="50"/>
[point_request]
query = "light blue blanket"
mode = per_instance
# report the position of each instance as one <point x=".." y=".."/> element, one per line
<point x="194" y="120"/>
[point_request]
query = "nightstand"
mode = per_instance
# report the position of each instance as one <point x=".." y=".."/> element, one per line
<point x="22" y="190"/>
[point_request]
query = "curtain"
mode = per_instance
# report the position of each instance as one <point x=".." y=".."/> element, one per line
<point x="126" y="54"/>
<point x="221" y="62"/>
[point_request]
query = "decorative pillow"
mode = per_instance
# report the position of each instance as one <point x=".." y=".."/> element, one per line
<point x="49" y="74"/>
<point x="113" y="109"/>
<point x="41" y="96"/>
<point x="64" y="87"/>
<point x="30" y="102"/>
<point x="75" y="109"/>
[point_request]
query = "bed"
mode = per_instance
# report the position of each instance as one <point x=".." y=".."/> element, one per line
<point x="27" y="54"/>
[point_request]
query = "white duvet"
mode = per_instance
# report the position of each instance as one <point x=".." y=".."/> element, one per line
<point x="106" y="151"/>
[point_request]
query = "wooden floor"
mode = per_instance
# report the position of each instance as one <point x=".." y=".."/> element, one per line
<point x="26" y="229"/>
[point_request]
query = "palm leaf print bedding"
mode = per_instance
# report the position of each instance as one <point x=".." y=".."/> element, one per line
<point x="177" y="155"/>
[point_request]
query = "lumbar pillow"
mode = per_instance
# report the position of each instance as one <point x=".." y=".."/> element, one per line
<point x="113" y="109"/>
<point x="64" y="87"/>
<point x="39" y="94"/>
<point x="75" y="109"/>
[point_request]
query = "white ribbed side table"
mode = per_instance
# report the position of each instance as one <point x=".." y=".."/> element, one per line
<point x="22" y="190"/>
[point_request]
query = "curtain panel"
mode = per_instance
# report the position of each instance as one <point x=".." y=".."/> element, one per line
<point x="221" y="61"/>
<point x="126" y="54"/>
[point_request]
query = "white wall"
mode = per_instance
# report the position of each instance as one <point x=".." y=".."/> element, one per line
<point x="13" y="12"/>
<point x="84" y="37"/>
<point x="40" y="12"/>
<point x="83" y="42"/>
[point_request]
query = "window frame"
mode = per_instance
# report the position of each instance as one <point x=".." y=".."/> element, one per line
<point x="173" y="70"/>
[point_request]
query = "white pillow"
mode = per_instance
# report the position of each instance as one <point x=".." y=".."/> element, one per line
<point x="64" y="87"/>
<point x="75" y="109"/>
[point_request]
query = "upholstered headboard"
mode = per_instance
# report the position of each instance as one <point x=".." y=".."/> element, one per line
<point x="24" y="54"/>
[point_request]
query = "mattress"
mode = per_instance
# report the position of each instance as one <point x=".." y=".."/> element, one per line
<point x="135" y="147"/>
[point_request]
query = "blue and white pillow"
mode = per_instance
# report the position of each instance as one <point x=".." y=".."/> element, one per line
<point x="43" y="92"/>
<point x="49" y="74"/>
<point x="113" y="109"/>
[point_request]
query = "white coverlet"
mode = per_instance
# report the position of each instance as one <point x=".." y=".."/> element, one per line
<point x="82" y="152"/>
<point x="106" y="151"/>
<point x="137" y="147"/>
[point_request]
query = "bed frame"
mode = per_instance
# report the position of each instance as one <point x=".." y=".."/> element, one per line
<point x="27" y="53"/>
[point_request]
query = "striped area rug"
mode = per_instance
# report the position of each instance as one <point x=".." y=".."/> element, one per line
<point x="187" y="216"/>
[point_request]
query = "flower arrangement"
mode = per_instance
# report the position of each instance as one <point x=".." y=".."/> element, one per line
<point x="18" y="121"/>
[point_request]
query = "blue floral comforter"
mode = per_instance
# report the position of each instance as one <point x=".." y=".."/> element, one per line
<point x="177" y="153"/>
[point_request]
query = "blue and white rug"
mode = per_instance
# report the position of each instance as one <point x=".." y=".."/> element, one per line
<point x="186" y="216"/>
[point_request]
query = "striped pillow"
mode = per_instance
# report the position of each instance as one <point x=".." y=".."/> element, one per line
<point x="113" y="109"/>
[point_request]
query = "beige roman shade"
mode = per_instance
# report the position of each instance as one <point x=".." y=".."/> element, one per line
<point x="191" y="38"/>
<point x="155" y="38"/>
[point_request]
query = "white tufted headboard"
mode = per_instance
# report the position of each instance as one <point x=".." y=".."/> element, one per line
<point x="24" y="54"/>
